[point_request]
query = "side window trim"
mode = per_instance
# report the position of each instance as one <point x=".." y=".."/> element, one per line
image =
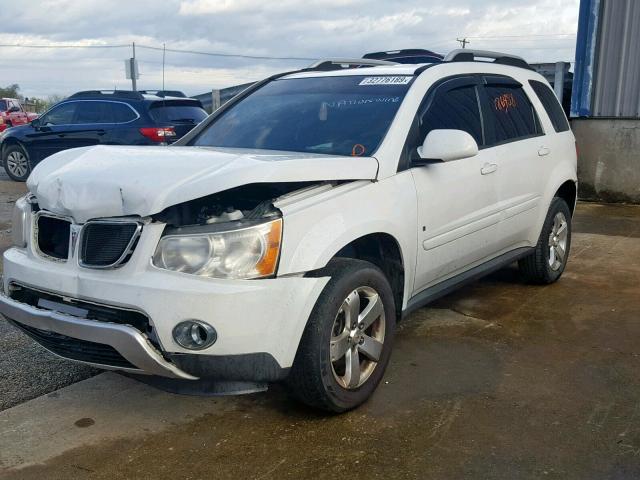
<point x="73" y="123"/>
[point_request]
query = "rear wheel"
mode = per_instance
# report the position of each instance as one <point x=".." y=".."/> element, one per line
<point x="16" y="163"/>
<point x="547" y="262"/>
<point x="347" y="343"/>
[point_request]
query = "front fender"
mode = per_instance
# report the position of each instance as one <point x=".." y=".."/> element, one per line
<point x="317" y="227"/>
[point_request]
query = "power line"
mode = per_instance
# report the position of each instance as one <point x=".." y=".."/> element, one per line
<point x="29" y="45"/>
<point x="227" y="55"/>
<point x="526" y="36"/>
<point x="173" y="50"/>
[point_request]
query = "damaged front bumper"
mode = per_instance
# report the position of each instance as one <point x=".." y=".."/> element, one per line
<point x="50" y="329"/>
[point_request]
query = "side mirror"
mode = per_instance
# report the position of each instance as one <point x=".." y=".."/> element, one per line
<point x="13" y="109"/>
<point x="35" y="123"/>
<point x="448" y="145"/>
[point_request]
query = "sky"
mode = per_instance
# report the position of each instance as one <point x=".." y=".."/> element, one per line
<point x="539" y="30"/>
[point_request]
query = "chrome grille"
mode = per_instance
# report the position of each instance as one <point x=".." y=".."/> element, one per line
<point x="107" y="244"/>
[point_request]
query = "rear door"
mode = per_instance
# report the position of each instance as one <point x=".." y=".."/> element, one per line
<point x="182" y="115"/>
<point x="458" y="208"/>
<point x="517" y="143"/>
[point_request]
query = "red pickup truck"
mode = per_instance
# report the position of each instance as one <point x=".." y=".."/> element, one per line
<point x="12" y="114"/>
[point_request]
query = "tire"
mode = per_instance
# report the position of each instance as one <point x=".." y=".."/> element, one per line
<point x="318" y="380"/>
<point x="15" y="161"/>
<point x="547" y="262"/>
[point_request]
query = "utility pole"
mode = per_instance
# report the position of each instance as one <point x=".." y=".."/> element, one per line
<point x="134" y="70"/>
<point x="463" y="41"/>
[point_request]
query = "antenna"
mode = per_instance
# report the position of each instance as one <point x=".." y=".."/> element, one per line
<point x="463" y="41"/>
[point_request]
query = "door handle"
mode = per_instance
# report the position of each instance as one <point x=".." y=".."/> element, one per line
<point x="488" y="168"/>
<point x="542" y="151"/>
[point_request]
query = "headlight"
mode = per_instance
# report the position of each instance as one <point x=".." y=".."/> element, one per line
<point x="249" y="252"/>
<point x="19" y="222"/>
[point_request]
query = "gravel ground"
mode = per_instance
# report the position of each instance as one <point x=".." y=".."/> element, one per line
<point x="26" y="369"/>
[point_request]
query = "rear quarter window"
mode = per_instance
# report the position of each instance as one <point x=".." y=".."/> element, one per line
<point x="511" y="113"/>
<point x="551" y="105"/>
<point x="182" y="112"/>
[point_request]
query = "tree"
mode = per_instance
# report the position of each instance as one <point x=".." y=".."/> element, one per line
<point x="11" y="91"/>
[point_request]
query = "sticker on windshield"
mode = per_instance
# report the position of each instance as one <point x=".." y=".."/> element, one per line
<point x="386" y="80"/>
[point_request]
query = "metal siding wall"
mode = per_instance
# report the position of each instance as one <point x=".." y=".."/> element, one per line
<point x="585" y="58"/>
<point x="616" y="83"/>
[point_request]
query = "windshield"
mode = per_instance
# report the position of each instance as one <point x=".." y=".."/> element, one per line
<point x="3" y="105"/>
<point x="346" y="115"/>
<point x="186" y="112"/>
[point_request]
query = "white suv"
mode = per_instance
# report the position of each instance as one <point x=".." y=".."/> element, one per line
<point x="284" y="237"/>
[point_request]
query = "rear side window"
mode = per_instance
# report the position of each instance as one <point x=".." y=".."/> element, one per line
<point x="511" y="113"/>
<point x="454" y="109"/>
<point x="551" y="105"/>
<point x="96" y="112"/>
<point x="92" y="112"/>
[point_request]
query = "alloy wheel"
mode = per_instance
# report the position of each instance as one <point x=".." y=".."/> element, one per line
<point x="357" y="337"/>
<point x="558" y="241"/>
<point x="17" y="163"/>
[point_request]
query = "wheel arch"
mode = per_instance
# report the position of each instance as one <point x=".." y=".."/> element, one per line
<point x="10" y="141"/>
<point x="384" y="251"/>
<point x="568" y="191"/>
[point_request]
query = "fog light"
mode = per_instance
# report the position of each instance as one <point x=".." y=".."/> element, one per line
<point x="194" y="334"/>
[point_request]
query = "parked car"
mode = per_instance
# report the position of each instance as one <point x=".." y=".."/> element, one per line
<point x="99" y="117"/>
<point x="283" y="238"/>
<point x="13" y="114"/>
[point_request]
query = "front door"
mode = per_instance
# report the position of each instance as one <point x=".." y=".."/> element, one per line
<point x="50" y="135"/>
<point x="458" y="207"/>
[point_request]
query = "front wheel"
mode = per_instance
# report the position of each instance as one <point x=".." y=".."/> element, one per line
<point x="16" y="163"/>
<point x="347" y="343"/>
<point x="549" y="259"/>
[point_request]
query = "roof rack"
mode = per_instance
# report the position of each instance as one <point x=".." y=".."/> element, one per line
<point x="470" y="55"/>
<point x="391" y="55"/>
<point x="328" y="64"/>
<point x="109" y="93"/>
<point x="164" y="93"/>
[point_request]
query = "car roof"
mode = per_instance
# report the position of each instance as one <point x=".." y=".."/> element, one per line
<point x="412" y="69"/>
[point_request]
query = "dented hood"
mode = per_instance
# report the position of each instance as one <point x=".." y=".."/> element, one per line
<point x="111" y="181"/>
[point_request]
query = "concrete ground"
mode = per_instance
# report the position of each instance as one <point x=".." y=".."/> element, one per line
<point x="498" y="381"/>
